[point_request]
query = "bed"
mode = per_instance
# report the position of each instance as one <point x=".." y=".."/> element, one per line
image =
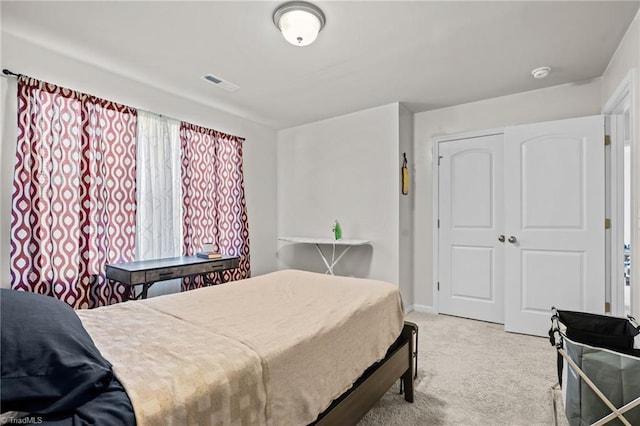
<point x="289" y="347"/>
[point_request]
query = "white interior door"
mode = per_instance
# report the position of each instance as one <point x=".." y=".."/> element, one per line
<point x="471" y="274"/>
<point x="554" y="215"/>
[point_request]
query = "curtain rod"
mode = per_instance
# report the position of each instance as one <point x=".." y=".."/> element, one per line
<point x="9" y="73"/>
<point x="240" y="138"/>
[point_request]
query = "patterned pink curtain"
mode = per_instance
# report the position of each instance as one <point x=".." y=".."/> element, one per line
<point x="231" y="211"/>
<point x="73" y="198"/>
<point x="214" y="202"/>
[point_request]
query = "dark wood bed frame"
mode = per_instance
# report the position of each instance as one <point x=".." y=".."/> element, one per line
<point x="401" y="362"/>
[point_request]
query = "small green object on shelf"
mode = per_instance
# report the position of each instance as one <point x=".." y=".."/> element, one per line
<point x="337" y="230"/>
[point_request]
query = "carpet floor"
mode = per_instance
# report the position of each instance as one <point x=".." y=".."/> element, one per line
<point x="473" y="373"/>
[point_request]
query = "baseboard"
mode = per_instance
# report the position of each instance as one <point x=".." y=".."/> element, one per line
<point x="422" y="308"/>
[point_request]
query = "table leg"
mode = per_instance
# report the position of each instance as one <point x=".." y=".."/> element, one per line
<point x="340" y="256"/>
<point x="131" y="293"/>
<point x="334" y="260"/>
<point x="145" y="289"/>
<point x="324" y="259"/>
<point x="127" y="292"/>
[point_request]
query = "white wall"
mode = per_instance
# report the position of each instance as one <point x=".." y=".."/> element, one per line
<point x="343" y="168"/>
<point x="564" y="101"/>
<point x="260" y="159"/>
<point x="406" y="205"/>
<point x="626" y="60"/>
<point x="7" y="154"/>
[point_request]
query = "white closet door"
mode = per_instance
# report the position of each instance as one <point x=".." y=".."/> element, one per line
<point x="554" y="215"/>
<point x="471" y="257"/>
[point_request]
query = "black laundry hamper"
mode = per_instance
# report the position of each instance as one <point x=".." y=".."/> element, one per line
<point x="598" y="367"/>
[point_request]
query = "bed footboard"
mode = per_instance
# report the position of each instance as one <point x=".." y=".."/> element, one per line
<point x="411" y="331"/>
<point x="401" y="362"/>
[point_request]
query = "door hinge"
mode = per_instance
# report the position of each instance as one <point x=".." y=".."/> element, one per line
<point x="438" y="285"/>
<point x="607" y="223"/>
<point x="607" y="307"/>
<point x="439" y="157"/>
<point x="607" y="140"/>
<point x="438" y="223"/>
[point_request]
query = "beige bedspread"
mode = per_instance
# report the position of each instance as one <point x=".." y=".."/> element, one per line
<point x="274" y="349"/>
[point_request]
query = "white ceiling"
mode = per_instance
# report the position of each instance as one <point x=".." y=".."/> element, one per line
<point x="427" y="54"/>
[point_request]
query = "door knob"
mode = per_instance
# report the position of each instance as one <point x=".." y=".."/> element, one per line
<point x="501" y="238"/>
<point x="512" y="239"/>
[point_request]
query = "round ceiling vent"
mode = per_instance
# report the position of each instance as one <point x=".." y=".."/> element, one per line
<point x="541" y="72"/>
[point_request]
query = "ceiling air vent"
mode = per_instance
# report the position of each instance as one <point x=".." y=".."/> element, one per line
<point x="223" y="84"/>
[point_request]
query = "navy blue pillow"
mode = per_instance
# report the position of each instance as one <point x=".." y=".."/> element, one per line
<point x="49" y="363"/>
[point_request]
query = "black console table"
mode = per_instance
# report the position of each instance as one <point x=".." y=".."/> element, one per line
<point x="148" y="272"/>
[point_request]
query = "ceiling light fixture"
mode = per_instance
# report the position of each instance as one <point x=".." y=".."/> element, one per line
<point x="540" y="72"/>
<point x="299" y="21"/>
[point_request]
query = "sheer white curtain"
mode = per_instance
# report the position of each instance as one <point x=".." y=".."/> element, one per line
<point x="159" y="190"/>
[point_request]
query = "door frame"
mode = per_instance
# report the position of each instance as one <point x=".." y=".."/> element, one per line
<point x="625" y="90"/>
<point x="435" y="230"/>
